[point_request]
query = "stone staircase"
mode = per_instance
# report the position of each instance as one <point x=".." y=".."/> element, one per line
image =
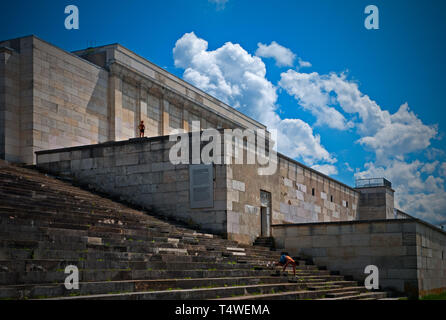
<point x="47" y="224"/>
<point x="264" y="242"/>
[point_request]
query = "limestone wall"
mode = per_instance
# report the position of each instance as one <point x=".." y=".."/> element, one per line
<point x="244" y="186"/>
<point x="376" y="203"/>
<point x="409" y="254"/>
<point x="70" y="99"/>
<point x="292" y="200"/>
<point x="9" y="105"/>
<point x="140" y="172"/>
<point x="53" y="99"/>
<point x="16" y="99"/>
<point x="431" y="250"/>
<point x="309" y="196"/>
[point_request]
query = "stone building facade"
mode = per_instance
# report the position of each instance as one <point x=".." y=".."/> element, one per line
<point x="76" y="114"/>
<point x="51" y="98"/>
<point x="409" y="253"/>
<point x="141" y="172"/>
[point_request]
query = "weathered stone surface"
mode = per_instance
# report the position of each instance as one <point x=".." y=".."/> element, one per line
<point x="409" y="254"/>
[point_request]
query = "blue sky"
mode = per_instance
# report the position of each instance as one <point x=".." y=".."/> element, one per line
<point x="402" y="62"/>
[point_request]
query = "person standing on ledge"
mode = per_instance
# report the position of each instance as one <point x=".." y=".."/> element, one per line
<point x="141" y="127"/>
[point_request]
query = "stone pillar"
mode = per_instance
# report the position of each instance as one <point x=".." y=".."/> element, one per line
<point x="10" y="109"/>
<point x="115" y="107"/>
<point x="375" y="202"/>
<point x="137" y="114"/>
<point x="5" y="53"/>
<point x="143" y="108"/>
<point x="185" y="118"/>
<point x="165" y="129"/>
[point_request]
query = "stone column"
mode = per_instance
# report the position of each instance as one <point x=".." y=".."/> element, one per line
<point x="115" y="107"/>
<point x="137" y="114"/>
<point x="165" y="129"/>
<point x="375" y="203"/>
<point x="143" y="108"/>
<point x="11" y="109"/>
<point x="185" y="120"/>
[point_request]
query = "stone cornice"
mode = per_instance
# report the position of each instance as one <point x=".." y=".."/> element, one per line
<point x="4" y="49"/>
<point x="139" y="79"/>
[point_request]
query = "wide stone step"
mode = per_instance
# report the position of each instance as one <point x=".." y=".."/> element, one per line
<point x="52" y="290"/>
<point x="298" y="295"/>
<point x="358" y="296"/>
<point x="93" y="254"/>
<point x="342" y="294"/>
<point x="54" y="265"/>
<point x="33" y="277"/>
<point x="88" y="288"/>
<point x="195" y="294"/>
<point x="23" y="250"/>
<point x="61" y="234"/>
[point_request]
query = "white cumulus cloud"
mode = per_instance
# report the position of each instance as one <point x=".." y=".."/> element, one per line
<point x="402" y="133"/>
<point x="335" y="102"/>
<point x="443" y="169"/>
<point x="303" y="64"/>
<point x="238" y="78"/>
<point x="220" y="3"/>
<point x="308" y="90"/>
<point x="422" y="197"/>
<point x="284" y="57"/>
<point x="326" y="169"/>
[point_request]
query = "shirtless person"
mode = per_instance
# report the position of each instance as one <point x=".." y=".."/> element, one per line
<point x="284" y="261"/>
<point x="141" y="127"/>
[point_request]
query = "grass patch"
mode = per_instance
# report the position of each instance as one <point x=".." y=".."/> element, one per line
<point x="74" y="294"/>
<point x="441" y="296"/>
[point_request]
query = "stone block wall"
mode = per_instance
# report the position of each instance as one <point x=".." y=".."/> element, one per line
<point x="431" y="250"/>
<point x="376" y="203"/>
<point x="54" y="99"/>
<point x="309" y="196"/>
<point x="408" y="253"/>
<point x="244" y="187"/>
<point x="16" y="99"/>
<point x="292" y="200"/>
<point x="9" y="105"/>
<point x="70" y="99"/>
<point x="140" y="172"/>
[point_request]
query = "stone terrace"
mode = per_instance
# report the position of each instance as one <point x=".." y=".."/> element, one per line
<point x="47" y="224"/>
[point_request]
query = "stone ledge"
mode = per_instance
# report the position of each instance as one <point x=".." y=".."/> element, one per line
<point x="352" y="222"/>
